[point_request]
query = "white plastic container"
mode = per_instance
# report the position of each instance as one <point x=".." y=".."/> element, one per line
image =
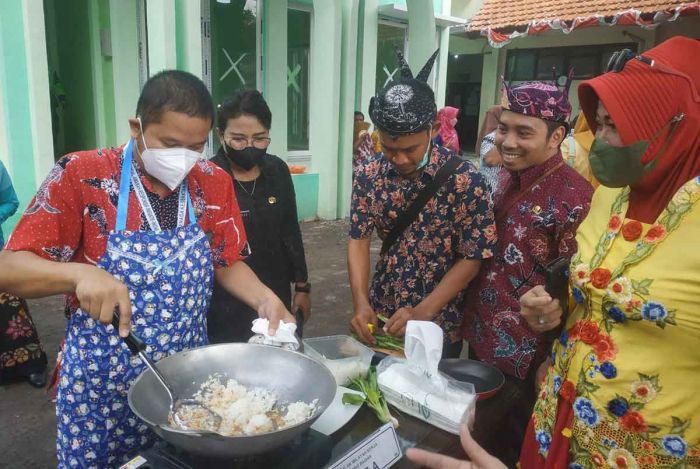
<point x="345" y="357"/>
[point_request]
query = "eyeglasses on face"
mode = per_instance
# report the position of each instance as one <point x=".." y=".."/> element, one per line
<point x="239" y="143"/>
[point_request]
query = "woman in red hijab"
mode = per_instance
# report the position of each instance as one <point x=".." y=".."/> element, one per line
<point x="622" y="380"/>
<point x="447" y="137"/>
<point x="621" y="385"/>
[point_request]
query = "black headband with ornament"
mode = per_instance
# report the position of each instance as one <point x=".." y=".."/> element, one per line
<point x="406" y="105"/>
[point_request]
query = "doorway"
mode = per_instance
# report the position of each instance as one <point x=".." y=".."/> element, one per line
<point x="70" y="68"/>
<point x="464" y="92"/>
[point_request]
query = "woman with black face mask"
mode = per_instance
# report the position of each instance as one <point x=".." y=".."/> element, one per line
<point x="266" y="198"/>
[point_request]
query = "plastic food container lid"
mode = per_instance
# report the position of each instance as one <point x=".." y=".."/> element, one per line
<point x="345" y="357"/>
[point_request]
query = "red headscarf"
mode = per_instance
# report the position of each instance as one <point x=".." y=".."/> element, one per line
<point x="447" y="130"/>
<point x="641" y="100"/>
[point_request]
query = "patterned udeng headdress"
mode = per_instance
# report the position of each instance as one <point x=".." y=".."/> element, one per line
<point x="406" y="105"/>
<point x="541" y="99"/>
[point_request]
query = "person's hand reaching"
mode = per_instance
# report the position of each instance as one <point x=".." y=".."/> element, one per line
<point x="480" y="459"/>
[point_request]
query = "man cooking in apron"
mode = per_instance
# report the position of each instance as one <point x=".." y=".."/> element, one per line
<point x="141" y="229"/>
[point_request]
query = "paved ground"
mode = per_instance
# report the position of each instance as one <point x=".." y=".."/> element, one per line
<point x="27" y="419"/>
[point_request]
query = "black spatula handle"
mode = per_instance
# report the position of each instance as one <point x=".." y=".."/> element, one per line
<point x="134" y="343"/>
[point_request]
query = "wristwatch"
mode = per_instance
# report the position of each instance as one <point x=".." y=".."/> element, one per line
<point x="306" y="288"/>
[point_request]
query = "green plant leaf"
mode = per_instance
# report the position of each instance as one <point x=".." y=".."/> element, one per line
<point x="382" y="318"/>
<point x="653" y="429"/>
<point x="679" y="426"/>
<point x="353" y="399"/>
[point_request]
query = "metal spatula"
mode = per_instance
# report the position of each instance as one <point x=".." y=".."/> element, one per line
<point x="177" y="405"/>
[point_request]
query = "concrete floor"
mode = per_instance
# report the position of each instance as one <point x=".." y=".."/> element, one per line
<point x="27" y="416"/>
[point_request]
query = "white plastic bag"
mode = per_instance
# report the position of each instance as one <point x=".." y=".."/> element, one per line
<point x="415" y="386"/>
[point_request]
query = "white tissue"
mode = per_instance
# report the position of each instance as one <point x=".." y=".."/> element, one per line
<point x="285" y="332"/>
<point x="423" y="345"/>
<point x="415" y="385"/>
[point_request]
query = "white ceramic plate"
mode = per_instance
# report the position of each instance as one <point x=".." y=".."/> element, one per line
<point x="337" y="414"/>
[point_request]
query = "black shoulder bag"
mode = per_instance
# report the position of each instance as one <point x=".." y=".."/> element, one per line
<point x="406" y="218"/>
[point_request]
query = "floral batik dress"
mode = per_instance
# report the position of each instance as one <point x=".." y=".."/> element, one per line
<point x="624" y="385"/>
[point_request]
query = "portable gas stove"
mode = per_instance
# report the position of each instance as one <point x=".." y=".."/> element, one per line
<point x="310" y="450"/>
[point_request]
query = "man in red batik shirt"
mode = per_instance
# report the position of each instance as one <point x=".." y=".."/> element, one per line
<point x="538" y="207"/>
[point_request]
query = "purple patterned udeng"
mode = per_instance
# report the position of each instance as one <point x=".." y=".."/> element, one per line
<point x="538" y="99"/>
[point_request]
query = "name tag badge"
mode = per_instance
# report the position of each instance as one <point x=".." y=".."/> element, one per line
<point x="380" y="450"/>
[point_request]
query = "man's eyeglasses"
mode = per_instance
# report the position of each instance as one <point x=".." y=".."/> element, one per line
<point x="620" y="58"/>
<point x="239" y="143"/>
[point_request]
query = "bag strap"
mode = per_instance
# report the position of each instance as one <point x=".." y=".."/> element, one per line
<point x="411" y="213"/>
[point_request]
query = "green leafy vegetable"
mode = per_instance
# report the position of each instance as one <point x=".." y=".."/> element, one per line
<point x="382" y="318"/>
<point x="386" y="341"/>
<point x="373" y="396"/>
<point x="389" y="342"/>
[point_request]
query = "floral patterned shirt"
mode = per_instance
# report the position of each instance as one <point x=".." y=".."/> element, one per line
<point x="75" y="209"/>
<point x="536" y="230"/>
<point x="457" y="223"/>
<point x="623" y="381"/>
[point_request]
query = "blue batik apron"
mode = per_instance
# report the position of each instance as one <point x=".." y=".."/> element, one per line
<point x="169" y="276"/>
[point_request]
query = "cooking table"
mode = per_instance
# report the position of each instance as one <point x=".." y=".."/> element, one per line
<point x="315" y="450"/>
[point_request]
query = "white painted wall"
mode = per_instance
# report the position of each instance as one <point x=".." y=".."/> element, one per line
<point x="465" y="8"/>
<point x="274" y="58"/>
<point x="348" y="74"/>
<point x="99" y="110"/>
<point x="192" y="32"/>
<point x="325" y="102"/>
<point x="39" y="98"/>
<point x="369" y="54"/>
<point x="441" y="67"/>
<point x="421" y="33"/>
<point x="124" y="34"/>
<point x="160" y="15"/>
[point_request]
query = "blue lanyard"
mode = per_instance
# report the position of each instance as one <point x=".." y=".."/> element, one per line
<point x="125" y="186"/>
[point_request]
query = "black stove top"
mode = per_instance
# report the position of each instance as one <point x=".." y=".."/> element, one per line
<point x="308" y="451"/>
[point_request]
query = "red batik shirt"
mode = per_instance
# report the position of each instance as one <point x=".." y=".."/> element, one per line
<point x="70" y="217"/>
<point x="536" y="230"/>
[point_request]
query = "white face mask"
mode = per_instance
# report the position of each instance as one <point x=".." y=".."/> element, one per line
<point x="169" y="165"/>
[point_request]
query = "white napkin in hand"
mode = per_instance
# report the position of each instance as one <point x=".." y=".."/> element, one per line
<point x="284" y="335"/>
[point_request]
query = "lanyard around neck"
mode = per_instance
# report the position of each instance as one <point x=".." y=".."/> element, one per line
<point x="129" y="176"/>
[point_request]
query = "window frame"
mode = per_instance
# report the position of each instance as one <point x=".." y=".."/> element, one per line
<point x="304" y="156"/>
<point x="396" y="24"/>
<point x="563" y="52"/>
<point x="207" y="60"/>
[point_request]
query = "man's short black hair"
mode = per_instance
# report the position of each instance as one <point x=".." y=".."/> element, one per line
<point x="552" y="126"/>
<point x="249" y="102"/>
<point x="359" y="113"/>
<point x="177" y="91"/>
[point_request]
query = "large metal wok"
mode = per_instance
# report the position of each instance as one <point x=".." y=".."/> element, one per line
<point x="291" y="375"/>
